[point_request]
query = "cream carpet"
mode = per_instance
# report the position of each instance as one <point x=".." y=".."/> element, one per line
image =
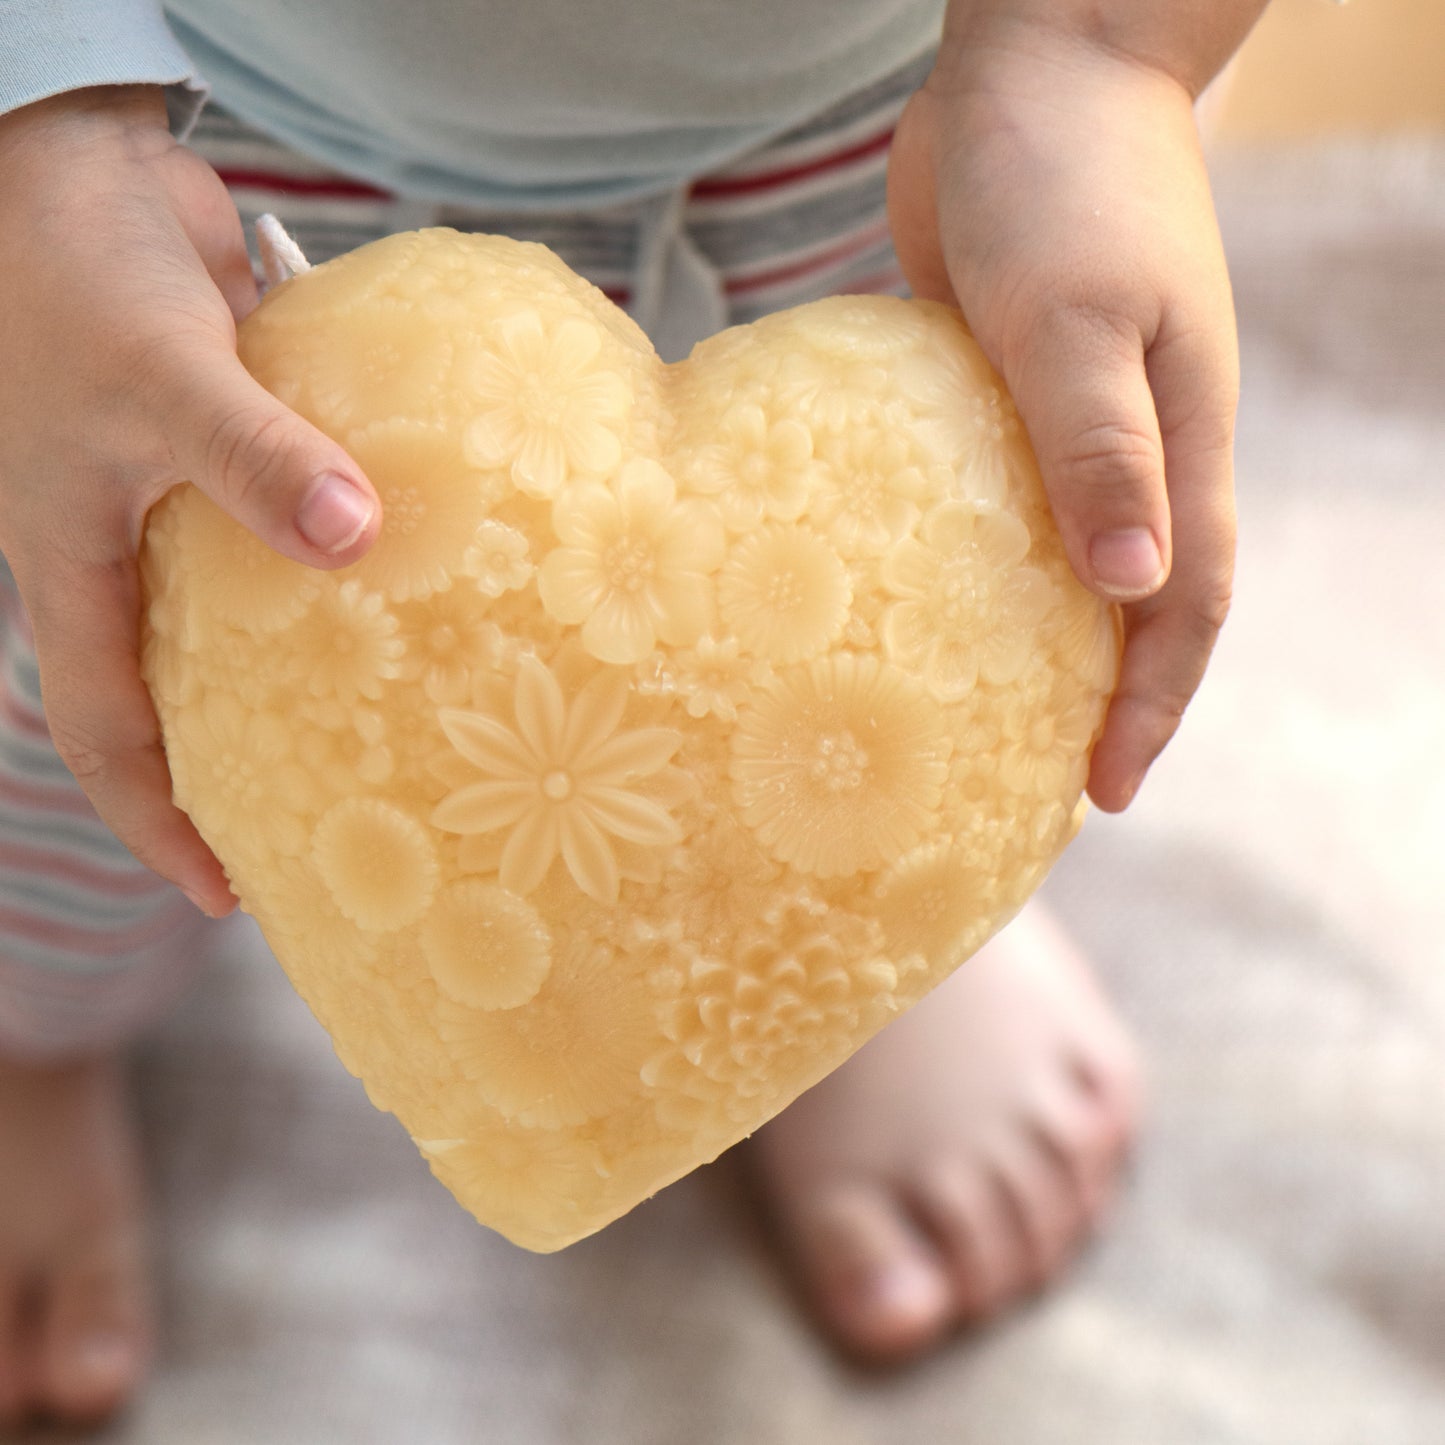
<point x="1269" y="916"/>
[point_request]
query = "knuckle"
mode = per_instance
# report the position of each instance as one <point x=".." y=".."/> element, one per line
<point x="245" y="455"/>
<point x="1111" y="458"/>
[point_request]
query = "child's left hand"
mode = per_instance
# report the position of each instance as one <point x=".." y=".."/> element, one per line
<point x="1056" y="192"/>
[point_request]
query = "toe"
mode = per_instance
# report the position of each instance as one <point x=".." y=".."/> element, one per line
<point x="879" y="1290"/>
<point x="96" y="1336"/>
<point x="965" y="1211"/>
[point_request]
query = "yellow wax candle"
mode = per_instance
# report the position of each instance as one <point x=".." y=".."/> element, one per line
<point x="684" y="725"/>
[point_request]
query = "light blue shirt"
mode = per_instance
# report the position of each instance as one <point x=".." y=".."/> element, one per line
<point x="518" y="103"/>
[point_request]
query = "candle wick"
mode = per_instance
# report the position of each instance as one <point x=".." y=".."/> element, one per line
<point x="281" y="257"/>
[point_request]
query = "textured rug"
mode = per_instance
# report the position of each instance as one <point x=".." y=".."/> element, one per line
<point x="1269" y="917"/>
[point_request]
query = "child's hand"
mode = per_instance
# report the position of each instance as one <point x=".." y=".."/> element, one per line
<point x="1055" y="190"/>
<point x="122" y="272"/>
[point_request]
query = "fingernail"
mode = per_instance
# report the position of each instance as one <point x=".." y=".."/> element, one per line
<point x="334" y="514"/>
<point x="1126" y="563"/>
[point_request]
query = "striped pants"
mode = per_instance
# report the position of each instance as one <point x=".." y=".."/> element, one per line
<point x="93" y="947"/>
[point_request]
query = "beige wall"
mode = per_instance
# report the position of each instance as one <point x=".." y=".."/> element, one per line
<point x="1312" y="66"/>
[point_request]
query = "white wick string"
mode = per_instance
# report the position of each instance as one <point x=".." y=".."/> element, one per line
<point x="281" y="257"/>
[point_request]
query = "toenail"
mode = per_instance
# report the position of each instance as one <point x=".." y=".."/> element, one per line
<point x="900" y="1289"/>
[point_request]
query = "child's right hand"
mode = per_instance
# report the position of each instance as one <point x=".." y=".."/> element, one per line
<point x="123" y="272"/>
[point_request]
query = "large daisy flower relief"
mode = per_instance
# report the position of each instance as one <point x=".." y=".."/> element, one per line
<point x="756" y="468"/>
<point x="967" y="608"/>
<point x="560" y="778"/>
<point x="546" y="409"/>
<point x="346" y="646"/>
<point x="432" y="503"/>
<point x="634" y="564"/>
<point x="870" y="495"/>
<point x="839" y="764"/>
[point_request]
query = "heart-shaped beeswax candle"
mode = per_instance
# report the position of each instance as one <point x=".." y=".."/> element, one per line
<point x="684" y="725"/>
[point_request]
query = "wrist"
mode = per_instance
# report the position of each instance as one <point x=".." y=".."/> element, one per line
<point x="1189" y="42"/>
<point x="93" y="110"/>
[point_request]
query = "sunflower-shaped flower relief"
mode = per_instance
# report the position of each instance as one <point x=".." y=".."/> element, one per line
<point x="933" y="900"/>
<point x="346" y="645"/>
<point x="498" y="559"/>
<point x="839" y="764"/>
<point x="377" y="861"/>
<point x="560" y="777"/>
<point x="784" y="593"/>
<point x="236" y="774"/>
<point x="574" y="1052"/>
<point x="447" y="639"/>
<point x="432" y="503"/>
<point x="968" y="608"/>
<point x="485" y="947"/>
<point x="545" y="407"/>
<point x="871" y="489"/>
<point x="787" y="1005"/>
<point x="756" y="467"/>
<point x="252" y="586"/>
<point x="634" y="563"/>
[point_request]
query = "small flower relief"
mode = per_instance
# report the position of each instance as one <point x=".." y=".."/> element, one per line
<point x="547" y="410"/>
<point x="560" y="778"/>
<point x="432" y="503"/>
<point x="968" y="608"/>
<point x="346" y="646"/>
<point x="931" y="898"/>
<point x="485" y="947"/>
<point x="714" y="678"/>
<point x="793" y="996"/>
<point x="962" y="418"/>
<point x="573" y="1053"/>
<point x="870" y="491"/>
<point x="511" y="1178"/>
<point x="498" y="559"/>
<point x="839" y="765"/>
<point x="634" y="564"/>
<point x="448" y="639"/>
<point x="755" y="469"/>
<point x="254" y="586"/>
<point x="236" y="772"/>
<point x="784" y="593"/>
<point x="878" y="328"/>
<point x="377" y="862"/>
<point x="1045" y="749"/>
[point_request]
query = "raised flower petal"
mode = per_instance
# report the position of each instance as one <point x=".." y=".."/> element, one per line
<point x="483" y="807"/>
<point x="531" y="848"/>
<point x="539" y="708"/>
<point x="588" y="855"/>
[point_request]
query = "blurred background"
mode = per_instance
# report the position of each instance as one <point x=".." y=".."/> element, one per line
<point x="1269" y="916"/>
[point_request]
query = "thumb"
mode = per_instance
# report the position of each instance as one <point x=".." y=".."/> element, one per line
<point x="1084" y="395"/>
<point x="275" y="473"/>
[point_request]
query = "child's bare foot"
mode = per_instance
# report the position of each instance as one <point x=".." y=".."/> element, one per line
<point x="957" y="1162"/>
<point x="75" y="1321"/>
